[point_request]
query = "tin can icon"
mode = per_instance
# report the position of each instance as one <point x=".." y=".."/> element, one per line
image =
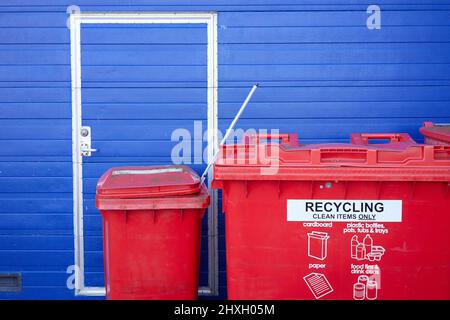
<point x="371" y="290"/>
<point x="359" y="291"/>
<point x="363" y="279"/>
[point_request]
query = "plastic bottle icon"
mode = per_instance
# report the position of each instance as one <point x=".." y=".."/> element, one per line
<point x="354" y="245"/>
<point x="371" y="290"/>
<point x="360" y="251"/>
<point x="368" y="243"/>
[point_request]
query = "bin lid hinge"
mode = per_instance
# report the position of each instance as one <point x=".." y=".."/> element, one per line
<point x="279" y="188"/>
<point x="312" y="189"/>
<point x="246" y="188"/>
<point x="413" y="189"/>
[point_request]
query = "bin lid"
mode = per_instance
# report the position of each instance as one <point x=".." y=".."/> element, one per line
<point x="148" y="182"/>
<point x="401" y="159"/>
<point x="436" y="131"/>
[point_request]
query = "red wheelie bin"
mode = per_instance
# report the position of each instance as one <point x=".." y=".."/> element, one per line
<point x="379" y="215"/>
<point x="151" y="231"/>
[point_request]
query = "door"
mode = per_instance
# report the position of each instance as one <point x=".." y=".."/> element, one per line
<point x="141" y="85"/>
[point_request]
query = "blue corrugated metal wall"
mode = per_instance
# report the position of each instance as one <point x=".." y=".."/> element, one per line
<point x="323" y="75"/>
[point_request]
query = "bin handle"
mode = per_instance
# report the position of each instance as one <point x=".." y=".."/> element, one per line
<point x="345" y="154"/>
<point x="428" y="124"/>
<point x="284" y="138"/>
<point x="364" y="138"/>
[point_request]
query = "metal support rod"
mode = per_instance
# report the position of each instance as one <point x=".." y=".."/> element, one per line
<point x="230" y="128"/>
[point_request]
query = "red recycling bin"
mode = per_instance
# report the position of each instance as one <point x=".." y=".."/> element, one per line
<point x="342" y="221"/>
<point x="436" y="133"/>
<point x="151" y="231"/>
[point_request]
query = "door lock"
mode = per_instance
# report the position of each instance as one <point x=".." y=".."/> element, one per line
<point x="85" y="132"/>
<point x="85" y="142"/>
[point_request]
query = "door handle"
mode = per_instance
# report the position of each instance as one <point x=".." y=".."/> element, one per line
<point x="87" y="149"/>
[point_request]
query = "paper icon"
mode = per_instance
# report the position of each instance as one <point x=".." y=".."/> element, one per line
<point x="318" y="284"/>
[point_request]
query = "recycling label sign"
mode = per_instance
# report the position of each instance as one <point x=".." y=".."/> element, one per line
<point x="344" y="210"/>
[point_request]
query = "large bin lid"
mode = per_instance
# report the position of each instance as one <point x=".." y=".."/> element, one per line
<point x="401" y="159"/>
<point x="147" y="182"/>
<point x="436" y="131"/>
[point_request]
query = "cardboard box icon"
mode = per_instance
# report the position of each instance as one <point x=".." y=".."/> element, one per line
<point x="317" y="244"/>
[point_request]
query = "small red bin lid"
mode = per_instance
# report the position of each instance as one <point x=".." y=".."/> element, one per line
<point x="147" y="182"/>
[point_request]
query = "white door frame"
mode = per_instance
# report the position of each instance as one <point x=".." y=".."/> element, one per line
<point x="76" y="19"/>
